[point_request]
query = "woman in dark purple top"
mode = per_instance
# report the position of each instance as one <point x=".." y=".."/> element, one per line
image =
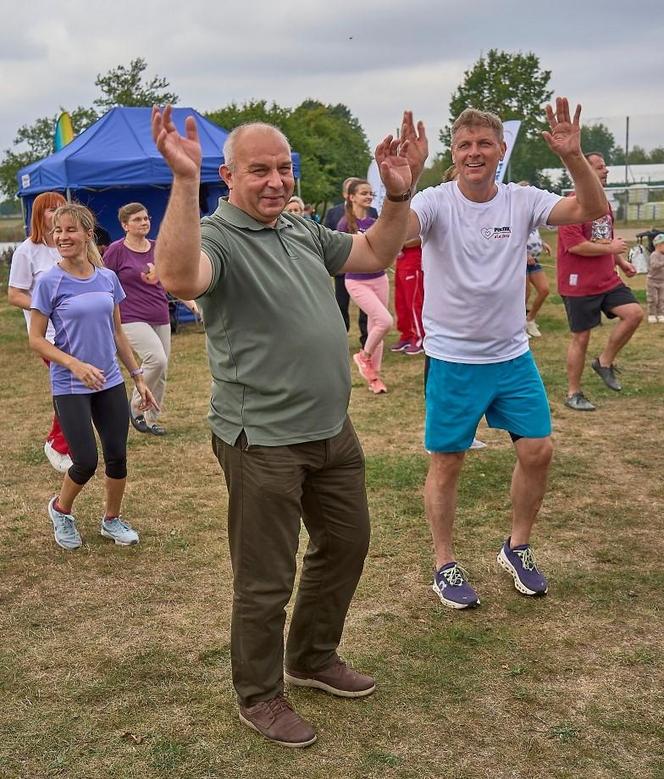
<point x="144" y="311"/>
<point x="81" y="298"/>
<point x="369" y="291"/>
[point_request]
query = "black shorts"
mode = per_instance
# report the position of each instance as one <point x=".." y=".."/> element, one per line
<point x="585" y="312"/>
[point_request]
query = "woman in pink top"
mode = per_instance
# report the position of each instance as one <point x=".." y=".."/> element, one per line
<point x="369" y="291"/>
<point x="33" y="257"/>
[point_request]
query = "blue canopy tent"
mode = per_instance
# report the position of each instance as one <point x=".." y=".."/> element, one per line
<point x="115" y="162"/>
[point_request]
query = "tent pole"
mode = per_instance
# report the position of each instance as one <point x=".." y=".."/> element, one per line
<point x="68" y="194"/>
<point x="23" y="215"/>
<point x="299" y="193"/>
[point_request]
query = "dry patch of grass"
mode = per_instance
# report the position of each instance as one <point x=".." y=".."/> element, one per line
<point x="115" y="662"/>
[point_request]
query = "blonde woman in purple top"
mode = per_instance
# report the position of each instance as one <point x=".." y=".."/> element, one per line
<point x="81" y="299"/>
<point x="369" y="291"/>
<point x="144" y="311"/>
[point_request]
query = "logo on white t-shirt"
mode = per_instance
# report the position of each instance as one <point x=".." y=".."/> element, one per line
<point x="496" y="232"/>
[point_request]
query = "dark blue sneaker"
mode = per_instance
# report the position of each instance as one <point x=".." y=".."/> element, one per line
<point x="451" y="586"/>
<point x="520" y="562"/>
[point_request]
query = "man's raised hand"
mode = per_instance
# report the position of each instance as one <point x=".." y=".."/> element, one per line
<point x="414" y="144"/>
<point x="182" y="153"/>
<point x="565" y="136"/>
<point x="401" y="161"/>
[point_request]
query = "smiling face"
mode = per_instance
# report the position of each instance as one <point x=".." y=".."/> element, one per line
<point x="137" y="225"/>
<point x="260" y="176"/>
<point x="476" y="152"/>
<point x="71" y="238"/>
<point x="361" y="195"/>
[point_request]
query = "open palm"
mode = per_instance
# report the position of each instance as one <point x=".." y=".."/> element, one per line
<point x="565" y="136"/>
<point x="182" y="153"/>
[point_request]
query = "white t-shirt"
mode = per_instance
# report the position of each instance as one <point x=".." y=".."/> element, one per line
<point x="474" y="271"/>
<point x="28" y="262"/>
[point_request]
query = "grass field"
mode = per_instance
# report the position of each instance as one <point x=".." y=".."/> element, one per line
<point x="114" y="662"/>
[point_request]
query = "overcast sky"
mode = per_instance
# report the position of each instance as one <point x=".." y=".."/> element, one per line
<point x="376" y="57"/>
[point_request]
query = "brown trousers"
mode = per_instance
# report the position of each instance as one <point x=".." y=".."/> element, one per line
<point x="655" y="296"/>
<point x="270" y="488"/>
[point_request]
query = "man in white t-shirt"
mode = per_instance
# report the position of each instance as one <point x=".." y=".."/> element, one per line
<point x="474" y="235"/>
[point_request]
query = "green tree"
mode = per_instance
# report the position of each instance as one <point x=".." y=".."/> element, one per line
<point x="514" y="87"/>
<point x="598" y="137"/>
<point x="125" y="86"/>
<point x="120" y="86"/>
<point x="330" y="141"/>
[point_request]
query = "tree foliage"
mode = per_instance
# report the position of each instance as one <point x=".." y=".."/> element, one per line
<point x="330" y="141"/>
<point x="598" y="137"/>
<point x="120" y="86"/>
<point x="125" y="86"/>
<point x="514" y="87"/>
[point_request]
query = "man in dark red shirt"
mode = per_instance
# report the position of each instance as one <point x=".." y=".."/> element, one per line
<point x="589" y="284"/>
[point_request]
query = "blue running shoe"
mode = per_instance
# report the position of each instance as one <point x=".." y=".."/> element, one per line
<point x="119" y="531"/>
<point x="520" y="562"/>
<point x="451" y="586"/>
<point x="64" y="527"/>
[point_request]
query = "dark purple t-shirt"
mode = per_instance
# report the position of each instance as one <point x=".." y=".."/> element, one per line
<point x="146" y="301"/>
<point x="362" y="226"/>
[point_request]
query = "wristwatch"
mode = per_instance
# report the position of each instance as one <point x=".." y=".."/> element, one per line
<point x="400" y="198"/>
<point x="137" y="372"/>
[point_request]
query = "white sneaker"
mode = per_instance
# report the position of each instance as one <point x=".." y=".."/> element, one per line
<point x="61" y="462"/>
<point x="477" y="444"/>
<point x="532" y="329"/>
<point x="660" y="318"/>
<point x="652" y="319"/>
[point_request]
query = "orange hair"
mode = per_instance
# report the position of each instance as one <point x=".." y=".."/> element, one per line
<point x="39" y="205"/>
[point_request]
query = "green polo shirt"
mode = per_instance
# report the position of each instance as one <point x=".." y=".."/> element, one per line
<point x="277" y="344"/>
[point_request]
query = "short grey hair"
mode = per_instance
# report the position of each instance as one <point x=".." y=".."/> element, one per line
<point x="234" y="135"/>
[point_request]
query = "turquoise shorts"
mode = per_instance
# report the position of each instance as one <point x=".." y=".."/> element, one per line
<point x="510" y="394"/>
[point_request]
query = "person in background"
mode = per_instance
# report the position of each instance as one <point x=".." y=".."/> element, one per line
<point x="535" y="277"/>
<point x="36" y="255"/>
<point x="655" y="281"/>
<point x="369" y="291"/>
<point x="588" y="281"/>
<point x="408" y="299"/>
<point x="80" y="298"/>
<point x="331" y="220"/>
<point x="144" y="310"/>
<point x="295" y="206"/>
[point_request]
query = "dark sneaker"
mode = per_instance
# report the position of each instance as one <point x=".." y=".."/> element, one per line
<point x="412" y="349"/>
<point x="279" y="722"/>
<point x="451" y="586"/>
<point x="156" y="429"/>
<point x="139" y="423"/>
<point x="64" y="527"/>
<point x="399" y="346"/>
<point x="579" y="402"/>
<point x="607" y="375"/>
<point x="520" y="562"/>
<point x="337" y="679"/>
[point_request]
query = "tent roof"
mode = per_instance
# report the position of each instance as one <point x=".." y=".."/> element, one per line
<point x="118" y="151"/>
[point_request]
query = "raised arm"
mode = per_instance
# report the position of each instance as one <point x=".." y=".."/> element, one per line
<point x="400" y="162"/>
<point x="565" y="141"/>
<point x="183" y="269"/>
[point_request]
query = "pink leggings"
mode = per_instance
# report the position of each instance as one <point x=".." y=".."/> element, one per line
<point x="371" y="295"/>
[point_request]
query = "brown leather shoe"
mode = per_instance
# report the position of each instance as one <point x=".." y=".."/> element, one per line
<point x="337" y="679"/>
<point x="277" y="721"/>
